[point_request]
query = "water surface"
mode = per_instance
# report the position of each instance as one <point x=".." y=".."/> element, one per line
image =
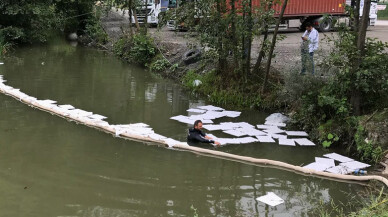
<point x="52" y="167"/>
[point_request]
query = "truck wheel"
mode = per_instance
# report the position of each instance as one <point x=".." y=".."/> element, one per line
<point x="191" y="56"/>
<point x="325" y="25"/>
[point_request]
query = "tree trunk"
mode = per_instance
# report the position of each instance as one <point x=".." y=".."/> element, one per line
<point x="256" y="68"/>
<point x="136" y="20"/>
<point x="268" y="65"/>
<point x="356" y="97"/>
<point x="130" y="17"/>
<point x="249" y="42"/>
<point x="234" y="34"/>
<point x="220" y="31"/>
<point x="146" y="17"/>
<point x="363" y="27"/>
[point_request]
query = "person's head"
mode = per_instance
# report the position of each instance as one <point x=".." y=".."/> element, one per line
<point x="198" y="124"/>
<point x="309" y="26"/>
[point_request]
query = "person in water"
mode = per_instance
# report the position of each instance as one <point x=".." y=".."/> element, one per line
<point x="196" y="134"/>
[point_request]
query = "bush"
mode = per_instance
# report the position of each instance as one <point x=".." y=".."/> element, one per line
<point x="4" y="45"/>
<point x="12" y="34"/>
<point x="139" y="49"/>
<point x="367" y="150"/>
<point x="122" y="47"/>
<point x="330" y="108"/>
<point x="159" y="65"/>
<point x="142" y="49"/>
<point x="95" y="31"/>
<point x="211" y="86"/>
<point x="27" y="22"/>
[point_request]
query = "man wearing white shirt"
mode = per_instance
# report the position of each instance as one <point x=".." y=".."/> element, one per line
<point x="310" y="42"/>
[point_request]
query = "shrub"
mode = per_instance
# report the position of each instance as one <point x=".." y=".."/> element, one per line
<point x="142" y="49"/>
<point x="4" y="46"/>
<point x="95" y="31"/>
<point x="367" y="150"/>
<point x="139" y="49"/>
<point x="159" y="65"/>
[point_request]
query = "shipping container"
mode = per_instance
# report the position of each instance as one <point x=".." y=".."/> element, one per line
<point x="299" y="12"/>
<point x="298" y="8"/>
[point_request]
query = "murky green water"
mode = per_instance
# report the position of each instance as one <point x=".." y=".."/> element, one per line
<point x="51" y="167"/>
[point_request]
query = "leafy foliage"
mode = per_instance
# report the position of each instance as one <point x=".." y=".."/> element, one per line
<point x="329" y="107"/>
<point x="4" y="46"/>
<point x="226" y="28"/>
<point x="29" y="21"/>
<point x="75" y="15"/>
<point x="139" y="49"/>
<point x="26" y="20"/>
<point x="93" y="27"/>
<point x="159" y="65"/>
<point x="368" y="151"/>
<point x="232" y="96"/>
<point x="143" y="49"/>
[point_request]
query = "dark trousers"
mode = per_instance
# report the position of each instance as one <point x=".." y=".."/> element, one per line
<point x="307" y="62"/>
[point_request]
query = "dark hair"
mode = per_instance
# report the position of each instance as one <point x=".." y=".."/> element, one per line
<point x="197" y="122"/>
<point x="308" y="24"/>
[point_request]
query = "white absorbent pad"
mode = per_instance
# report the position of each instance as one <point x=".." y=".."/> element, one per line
<point x="338" y="157"/>
<point x="355" y="165"/>
<point x="271" y="199"/>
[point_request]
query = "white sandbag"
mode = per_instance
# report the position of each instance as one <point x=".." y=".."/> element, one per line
<point x="68" y="107"/>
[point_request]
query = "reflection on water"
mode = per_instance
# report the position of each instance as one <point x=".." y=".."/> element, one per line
<point x="51" y="167"/>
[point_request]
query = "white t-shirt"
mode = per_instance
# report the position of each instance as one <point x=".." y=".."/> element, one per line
<point x="313" y="39"/>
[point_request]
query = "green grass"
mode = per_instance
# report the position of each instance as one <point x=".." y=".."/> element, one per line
<point x="383" y="15"/>
<point x="374" y="206"/>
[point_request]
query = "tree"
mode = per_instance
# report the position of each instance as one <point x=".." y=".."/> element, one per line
<point x="360" y="38"/>
<point x="26" y="20"/>
<point x="268" y="65"/>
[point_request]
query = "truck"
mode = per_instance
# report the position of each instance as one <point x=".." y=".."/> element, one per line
<point x="320" y="13"/>
<point x="150" y="9"/>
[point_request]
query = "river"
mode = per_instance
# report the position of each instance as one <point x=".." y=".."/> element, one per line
<point x="52" y="167"/>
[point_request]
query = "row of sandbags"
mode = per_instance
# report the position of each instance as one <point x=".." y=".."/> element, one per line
<point x="138" y="131"/>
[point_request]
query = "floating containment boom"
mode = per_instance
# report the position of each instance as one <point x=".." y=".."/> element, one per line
<point x="141" y="132"/>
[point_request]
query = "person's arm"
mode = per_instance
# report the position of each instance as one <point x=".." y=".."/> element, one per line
<point x="314" y="39"/>
<point x="203" y="139"/>
<point x="208" y="137"/>
<point x="304" y="38"/>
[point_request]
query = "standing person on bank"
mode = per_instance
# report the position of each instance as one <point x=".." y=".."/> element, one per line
<point x="310" y="42"/>
<point x="197" y="135"/>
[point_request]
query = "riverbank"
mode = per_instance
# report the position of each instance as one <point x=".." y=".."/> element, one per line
<point x="287" y="90"/>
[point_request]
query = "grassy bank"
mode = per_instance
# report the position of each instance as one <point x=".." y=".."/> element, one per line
<point x="376" y="205"/>
<point x="320" y="105"/>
